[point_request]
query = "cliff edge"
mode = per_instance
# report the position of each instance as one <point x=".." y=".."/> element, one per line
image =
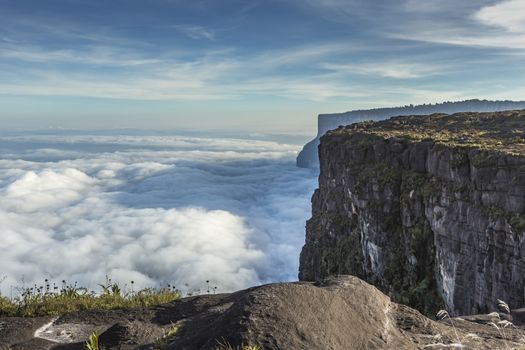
<point x="430" y="209"/>
<point x="309" y="158"/>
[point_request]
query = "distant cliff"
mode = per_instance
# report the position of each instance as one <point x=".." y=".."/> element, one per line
<point x="429" y="209"/>
<point x="308" y="157"/>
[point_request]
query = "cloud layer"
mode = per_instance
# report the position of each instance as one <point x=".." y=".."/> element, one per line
<point x="152" y="209"/>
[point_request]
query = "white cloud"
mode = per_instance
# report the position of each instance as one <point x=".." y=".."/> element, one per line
<point x="396" y="70"/>
<point x="473" y="24"/>
<point x="95" y="55"/>
<point x="213" y="76"/>
<point x="153" y="209"/>
<point x="48" y="190"/>
<point x="506" y="14"/>
<point x="465" y="38"/>
<point x="196" y="32"/>
<point x="483" y="23"/>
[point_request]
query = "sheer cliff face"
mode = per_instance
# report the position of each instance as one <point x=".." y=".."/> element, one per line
<point x="429" y="209"/>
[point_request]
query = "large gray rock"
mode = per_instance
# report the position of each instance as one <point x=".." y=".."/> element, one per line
<point x="339" y="313"/>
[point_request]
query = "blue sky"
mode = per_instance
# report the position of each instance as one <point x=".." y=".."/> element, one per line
<point x="261" y="65"/>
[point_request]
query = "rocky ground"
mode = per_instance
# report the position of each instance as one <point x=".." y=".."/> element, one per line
<point x="340" y="313"/>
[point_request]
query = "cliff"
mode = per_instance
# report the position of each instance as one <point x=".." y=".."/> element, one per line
<point x="429" y="209"/>
<point x="308" y="157"/>
<point x="339" y="313"/>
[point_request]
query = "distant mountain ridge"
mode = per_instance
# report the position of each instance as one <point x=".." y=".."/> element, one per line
<point x="308" y="157"/>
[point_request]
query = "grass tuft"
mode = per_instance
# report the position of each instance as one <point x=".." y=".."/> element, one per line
<point x="501" y="329"/>
<point x="224" y="345"/>
<point x="92" y="342"/>
<point x="503" y="306"/>
<point x="442" y="315"/>
<point x="163" y="342"/>
<point x="51" y="301"/>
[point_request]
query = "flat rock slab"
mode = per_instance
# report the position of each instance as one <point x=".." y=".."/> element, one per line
<point x="18" y="329"/>
<point x="65" y="333"/>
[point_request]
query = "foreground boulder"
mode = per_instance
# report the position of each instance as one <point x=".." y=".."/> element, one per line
<point x="340" y="313"/>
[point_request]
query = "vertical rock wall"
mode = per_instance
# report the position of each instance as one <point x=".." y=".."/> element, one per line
<point x="429" y="224"/>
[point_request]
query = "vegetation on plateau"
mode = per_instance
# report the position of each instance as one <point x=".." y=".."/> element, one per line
<point x="498" y="131"/>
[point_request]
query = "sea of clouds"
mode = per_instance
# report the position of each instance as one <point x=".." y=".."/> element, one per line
<point x="152" y="209"/>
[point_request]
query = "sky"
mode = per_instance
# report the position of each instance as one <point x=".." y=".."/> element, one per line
<point x="248" y="65"/>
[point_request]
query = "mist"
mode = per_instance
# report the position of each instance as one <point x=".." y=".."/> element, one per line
<point x="153" y="209"/>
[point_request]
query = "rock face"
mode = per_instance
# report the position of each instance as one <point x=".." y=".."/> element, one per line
<point x="428" y="209"/>
<point x="308" y="157"/>
<point x="339" y="313"/>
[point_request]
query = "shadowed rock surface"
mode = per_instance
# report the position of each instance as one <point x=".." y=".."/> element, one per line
<point x="343" y="312"/>
<point x="429" y="209"/>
